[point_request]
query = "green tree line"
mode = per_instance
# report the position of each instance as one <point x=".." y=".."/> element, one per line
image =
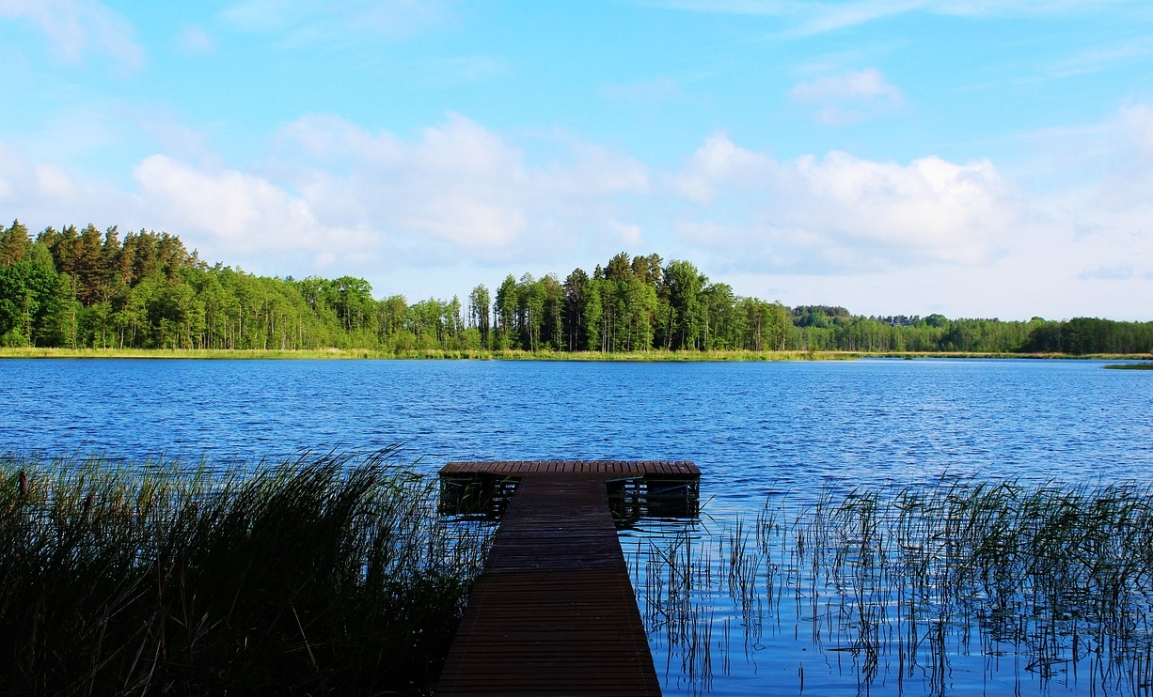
<point x="83" y="288"/>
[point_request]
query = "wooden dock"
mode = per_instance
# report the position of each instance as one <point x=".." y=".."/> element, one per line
<point x="554" y="612"/>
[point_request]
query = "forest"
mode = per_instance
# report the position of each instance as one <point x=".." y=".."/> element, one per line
<point x="83" y="288"/>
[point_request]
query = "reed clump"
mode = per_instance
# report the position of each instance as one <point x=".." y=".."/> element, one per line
<point x="999" y="581"/>
<point x="320" y="576"/>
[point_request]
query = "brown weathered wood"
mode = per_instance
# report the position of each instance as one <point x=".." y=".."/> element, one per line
<point x="554" y="612"/>
<point x="605" y="467"/>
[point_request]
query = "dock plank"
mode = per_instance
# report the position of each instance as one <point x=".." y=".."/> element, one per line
<point x="594" y="467"/>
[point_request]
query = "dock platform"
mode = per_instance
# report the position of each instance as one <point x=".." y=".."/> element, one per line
<point x="554" y="612"/>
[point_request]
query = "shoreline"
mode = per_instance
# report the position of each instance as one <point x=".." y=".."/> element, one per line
<point x="517" y="355"/>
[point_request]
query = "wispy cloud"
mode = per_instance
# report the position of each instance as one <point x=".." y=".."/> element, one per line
<point x="302" y="22"/>
<point x="458" y="69"/>
<point x="1100" y="58"/>
<point x="807" y="18"/>
<point x="648" y="90"/>
<point x="1119" y="272"/>
<point x="77" y="28"/>
<point x="194" y="40"/>
<point x="849" y="96"/>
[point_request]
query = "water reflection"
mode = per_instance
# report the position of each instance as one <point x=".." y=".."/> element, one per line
<point x="632" y="499"/>
<point x="961" y="587"/>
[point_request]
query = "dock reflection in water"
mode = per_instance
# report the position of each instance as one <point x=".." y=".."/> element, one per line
<point x="632" y="496"/>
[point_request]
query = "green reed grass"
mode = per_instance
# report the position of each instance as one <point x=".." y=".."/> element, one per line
<point x="905" y="581"/>
<point x="655" y="355"/>
<point x="658" y="355"/>
<point x="320" y="576"/>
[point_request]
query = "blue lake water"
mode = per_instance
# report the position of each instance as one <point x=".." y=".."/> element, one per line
<point x="751" y="427"/>
<point x="745" y="424"/>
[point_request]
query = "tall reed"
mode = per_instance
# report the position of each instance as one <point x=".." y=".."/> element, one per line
<point x="1050" y="584"/>
<point x="320" y="576"/>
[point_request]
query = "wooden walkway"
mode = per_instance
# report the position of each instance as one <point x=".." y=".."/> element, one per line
<point x="554" y="612"/>
<point x="604" y="469"/>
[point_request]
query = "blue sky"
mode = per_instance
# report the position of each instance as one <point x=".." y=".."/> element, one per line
<point x="977" y="158"/>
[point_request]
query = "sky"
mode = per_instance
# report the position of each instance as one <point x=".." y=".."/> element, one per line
<point x="975" y="158"/>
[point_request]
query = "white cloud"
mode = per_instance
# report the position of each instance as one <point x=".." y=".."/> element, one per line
<point x="849" y="96"/>
<point x="1077" y="242"/>
<point x="719" y="163"/>
<point x="79" y="27"/>
<point x="42" y="193"/>
<point x="842" y="213"/>
<point x="459" y="191"/>
<point x="335" y="196"/>
<point x="456" y="184"/>
<point x="928" y="209"/>
<point x="233" y="211"/>
<point x="879" y="236"/>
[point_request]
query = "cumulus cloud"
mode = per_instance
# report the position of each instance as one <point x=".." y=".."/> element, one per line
<point x="457" y="183"/>
<point x="718" y="164"/>
<point x="849" y="96"/>
<point x="42" y="193"/>
<point x="79" y="27"/>
<point x="930" y="208"/>
<point x="226" y="214"/>
<point x="234" y="211"/>
<point x="843" y="213"/>
<point x="458" y="191"/>
<point x="333" y="195"/>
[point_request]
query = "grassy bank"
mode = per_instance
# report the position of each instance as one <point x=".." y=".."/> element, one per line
<point x="431" y="354"/>
<point x="317" y="577"/>
<point x="518" y="355"/>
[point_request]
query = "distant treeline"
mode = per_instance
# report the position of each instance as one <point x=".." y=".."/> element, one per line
<point x="91" y="289"/>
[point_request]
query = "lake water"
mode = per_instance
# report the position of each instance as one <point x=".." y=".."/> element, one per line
<point x="753" y="428"/>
